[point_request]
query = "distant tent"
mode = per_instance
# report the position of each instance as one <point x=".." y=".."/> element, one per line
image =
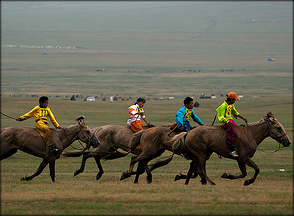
<point x="271" y="59"/>
<point x="196" y="104"/>
<point x="45" y="53"/>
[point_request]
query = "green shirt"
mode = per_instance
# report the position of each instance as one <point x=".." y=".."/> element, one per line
<point x="225" y="112"/>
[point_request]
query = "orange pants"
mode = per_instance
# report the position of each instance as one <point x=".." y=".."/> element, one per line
<point x="137" y="126"/>
<point x="43" y="128"/>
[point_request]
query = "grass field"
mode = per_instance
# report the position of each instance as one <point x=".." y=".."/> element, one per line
<point x="148" y="49"/>
<point x="271" y="194"/>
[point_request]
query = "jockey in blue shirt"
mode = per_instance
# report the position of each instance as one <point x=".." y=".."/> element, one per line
<point x="183" y="119"/>
<point x="183" y="115"/>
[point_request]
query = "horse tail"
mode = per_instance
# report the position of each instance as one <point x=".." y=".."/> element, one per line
<point x="160" y="163"/>
<point x="77" y="153"/>
<point x="135" y="141"/>
<point x="178" y="142"/>
<point x="116" y="154"/>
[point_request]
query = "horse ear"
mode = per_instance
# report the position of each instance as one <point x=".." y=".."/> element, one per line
<point x="270" y="114"/>
<point x="81" y="119"/>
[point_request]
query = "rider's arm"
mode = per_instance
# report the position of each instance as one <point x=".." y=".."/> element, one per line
<point x="180" y="117"/>
<point x="29" y="114"/>
<point x="52" y="119"/>
<point x="196" y="118"/>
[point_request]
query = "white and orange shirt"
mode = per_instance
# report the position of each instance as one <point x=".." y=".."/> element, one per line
<point x="133" y="110"/>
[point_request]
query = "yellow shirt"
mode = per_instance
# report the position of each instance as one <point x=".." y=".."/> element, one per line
<point x="40" y="114"/>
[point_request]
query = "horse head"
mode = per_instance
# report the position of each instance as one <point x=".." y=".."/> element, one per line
<point x="85" y="134"/>
<point x="276" y="130"/>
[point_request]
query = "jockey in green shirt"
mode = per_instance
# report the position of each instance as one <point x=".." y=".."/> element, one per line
<point x="224" y="115"/>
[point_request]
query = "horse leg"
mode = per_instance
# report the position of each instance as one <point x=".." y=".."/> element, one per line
<point x="140" y="170"/>
<point x="250" y="163"/>
<point x="190" y="172"/>
<point x="202" y="170"/>
<point x="149" y="175"/>
<point x="242" y="167"/>
<point x="182" y="176"/>
<point x="52" y="170"/>
<point x="86" y="155"/>
<point x="100" y="173"/>
<point x="129" y="173"/>
<point x="39" y="170"/>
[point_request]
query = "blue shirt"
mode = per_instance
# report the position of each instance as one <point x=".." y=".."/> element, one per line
<point x="183" y="116"/>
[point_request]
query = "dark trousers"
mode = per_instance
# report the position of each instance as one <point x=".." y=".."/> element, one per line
<point x="231" y="134"/>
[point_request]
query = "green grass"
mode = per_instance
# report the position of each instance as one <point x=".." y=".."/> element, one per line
<point x="271" y="194"/>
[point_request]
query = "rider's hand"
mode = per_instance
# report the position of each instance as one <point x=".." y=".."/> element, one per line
<point x="58" y="127"/>
<point x="18" y="119"/>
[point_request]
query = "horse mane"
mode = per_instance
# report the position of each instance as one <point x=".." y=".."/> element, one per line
<point x="257" y="122"/>
<point x="266" y="118"/>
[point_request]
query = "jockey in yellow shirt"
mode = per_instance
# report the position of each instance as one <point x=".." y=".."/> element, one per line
<point x="137" y="115"/>
<point x="41" y="112"/>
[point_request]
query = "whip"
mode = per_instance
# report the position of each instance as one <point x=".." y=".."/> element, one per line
<point x="7" y="116"/>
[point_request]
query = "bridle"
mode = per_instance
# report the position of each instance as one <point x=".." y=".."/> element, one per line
<point x="277" y="137"/>
<point x="83" y="147"/>
<point x="270" y="130"/>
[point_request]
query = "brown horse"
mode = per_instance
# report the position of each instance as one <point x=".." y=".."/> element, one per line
<point x="204" y="140"/>
<point x="154" y="141"/>
<point x="111" y="138"/>
<point x="30" y="141"/>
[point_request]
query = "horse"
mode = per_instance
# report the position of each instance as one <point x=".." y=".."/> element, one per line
<point x="154" y="141"/>
<point x="202" y="141"/>
<point x="111" y="138"/>
<point x="30" y="141"/>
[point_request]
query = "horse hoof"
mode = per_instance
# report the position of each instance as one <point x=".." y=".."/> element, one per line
<point x="177" y="178"/>
<point x="125" y="175"/>
<point x="25" y="179"/>
<point x="225" y="175"/>
<point x="247" y="182"/>
<point x="149" y="179"/>
<point x="76" y="172"/>
<point x="98" y="176"/>
<point x="203" y="182"/>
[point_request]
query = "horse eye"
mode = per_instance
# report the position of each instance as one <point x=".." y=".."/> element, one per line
<point x="279" y="128"/>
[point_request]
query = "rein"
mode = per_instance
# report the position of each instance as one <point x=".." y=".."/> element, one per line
<point x="71" y="144"/>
